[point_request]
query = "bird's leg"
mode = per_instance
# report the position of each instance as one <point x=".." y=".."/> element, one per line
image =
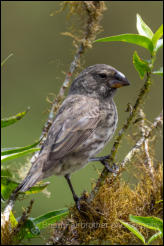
<point x="75" y="197"/>
<point x="105" y="163"/>
<point x="103" y="160"/>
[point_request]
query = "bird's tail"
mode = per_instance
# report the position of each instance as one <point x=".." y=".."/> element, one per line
<point x="34" y="175"/>
<point x="25" y="185"/>
<point x="28" y="182"/>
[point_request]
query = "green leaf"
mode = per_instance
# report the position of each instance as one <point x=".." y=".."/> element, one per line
<point x="28" y="230"/>
<point x="31" y="229"/>
<point x="140" y="65"/>
<point x="134" y="230"/>
<point x="6" y="59"/>
<point x="159" y="44"/>
<point x="143" y="29"/>
<point x="8" y="151"/>
<point x="152" y="222"/>
<point x="32" y="226"/>
<point x="154" y="237"/>
<point x="156" y="202"/>
<point x="7" y="186"/>
<point x="6" y="173"/>
<point x="38" y="188"/>
<point x="11" y="120"/>
<point x="159" y="71"/>
<point x="50" y="218"/>
<point x="157" y="35"/>
<point x="130" y="38"/>
<point x="16" y="155"/>
<point x="13" y="220"/>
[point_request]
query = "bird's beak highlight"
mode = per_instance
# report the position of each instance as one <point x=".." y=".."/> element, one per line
<point x="119" y="80"/>
<point x="119" y="83"/>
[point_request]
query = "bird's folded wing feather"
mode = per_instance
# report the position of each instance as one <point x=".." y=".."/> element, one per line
<point x="72" y="128"/>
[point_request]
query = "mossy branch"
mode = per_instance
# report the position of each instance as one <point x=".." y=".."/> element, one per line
<point x="13" y="235"/>
<point x="23" y="219"/>
<point x="93" y="10"/>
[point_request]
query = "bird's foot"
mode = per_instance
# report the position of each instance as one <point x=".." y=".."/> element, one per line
<point x="111" y="170"/>
<point x="77" y="202"/>
<point x="82" y="205"/>
<point x="103" y="160"/>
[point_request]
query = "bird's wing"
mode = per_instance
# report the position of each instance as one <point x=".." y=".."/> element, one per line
<point x="72" y="127"/>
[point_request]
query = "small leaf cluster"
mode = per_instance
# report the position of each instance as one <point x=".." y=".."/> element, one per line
<point x="153" y="223"/>
<point x="146" y="39"/>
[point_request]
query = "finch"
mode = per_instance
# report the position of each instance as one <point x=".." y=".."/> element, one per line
<point x="84" y="124"/>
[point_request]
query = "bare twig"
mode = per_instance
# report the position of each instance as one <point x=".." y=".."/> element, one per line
<point x="157" y="122"/>
<point x="148" y="161"/>
<point x="6" y="213"/>
<point x="144" y="132"/>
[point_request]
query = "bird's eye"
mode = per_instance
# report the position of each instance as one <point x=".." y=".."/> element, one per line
<point x="102" y="75"/>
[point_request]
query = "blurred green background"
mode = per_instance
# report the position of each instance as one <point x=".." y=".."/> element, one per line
<point x="41" y="55"/>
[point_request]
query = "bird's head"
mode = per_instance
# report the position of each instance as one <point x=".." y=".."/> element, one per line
<point x="99" y="80"/>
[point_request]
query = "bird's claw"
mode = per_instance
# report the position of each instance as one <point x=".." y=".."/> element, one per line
<point x="77" y="201"/>
<point x="78" y="206"/>
<point x="111" y="170"/>
<point x="81" y="205"/>
<point x="103" y="160"/>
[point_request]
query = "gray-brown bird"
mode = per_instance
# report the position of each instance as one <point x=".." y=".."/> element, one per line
<point x="84" y="124"/>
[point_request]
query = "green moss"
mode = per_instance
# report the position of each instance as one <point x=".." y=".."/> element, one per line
<point x="115" y="201"/>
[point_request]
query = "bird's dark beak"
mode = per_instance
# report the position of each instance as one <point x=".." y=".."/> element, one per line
<point x="119" y="81"/>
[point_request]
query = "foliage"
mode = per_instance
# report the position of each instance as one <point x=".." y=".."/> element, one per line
<point x="17" y="229"/>
<point x="7" y="154"/>
<point x="13" y="119"/>
<point x="153" y="223"/>
<point x="146" y="39"/>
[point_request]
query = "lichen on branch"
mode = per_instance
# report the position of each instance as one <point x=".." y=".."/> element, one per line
<point x="90" y="13"/>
